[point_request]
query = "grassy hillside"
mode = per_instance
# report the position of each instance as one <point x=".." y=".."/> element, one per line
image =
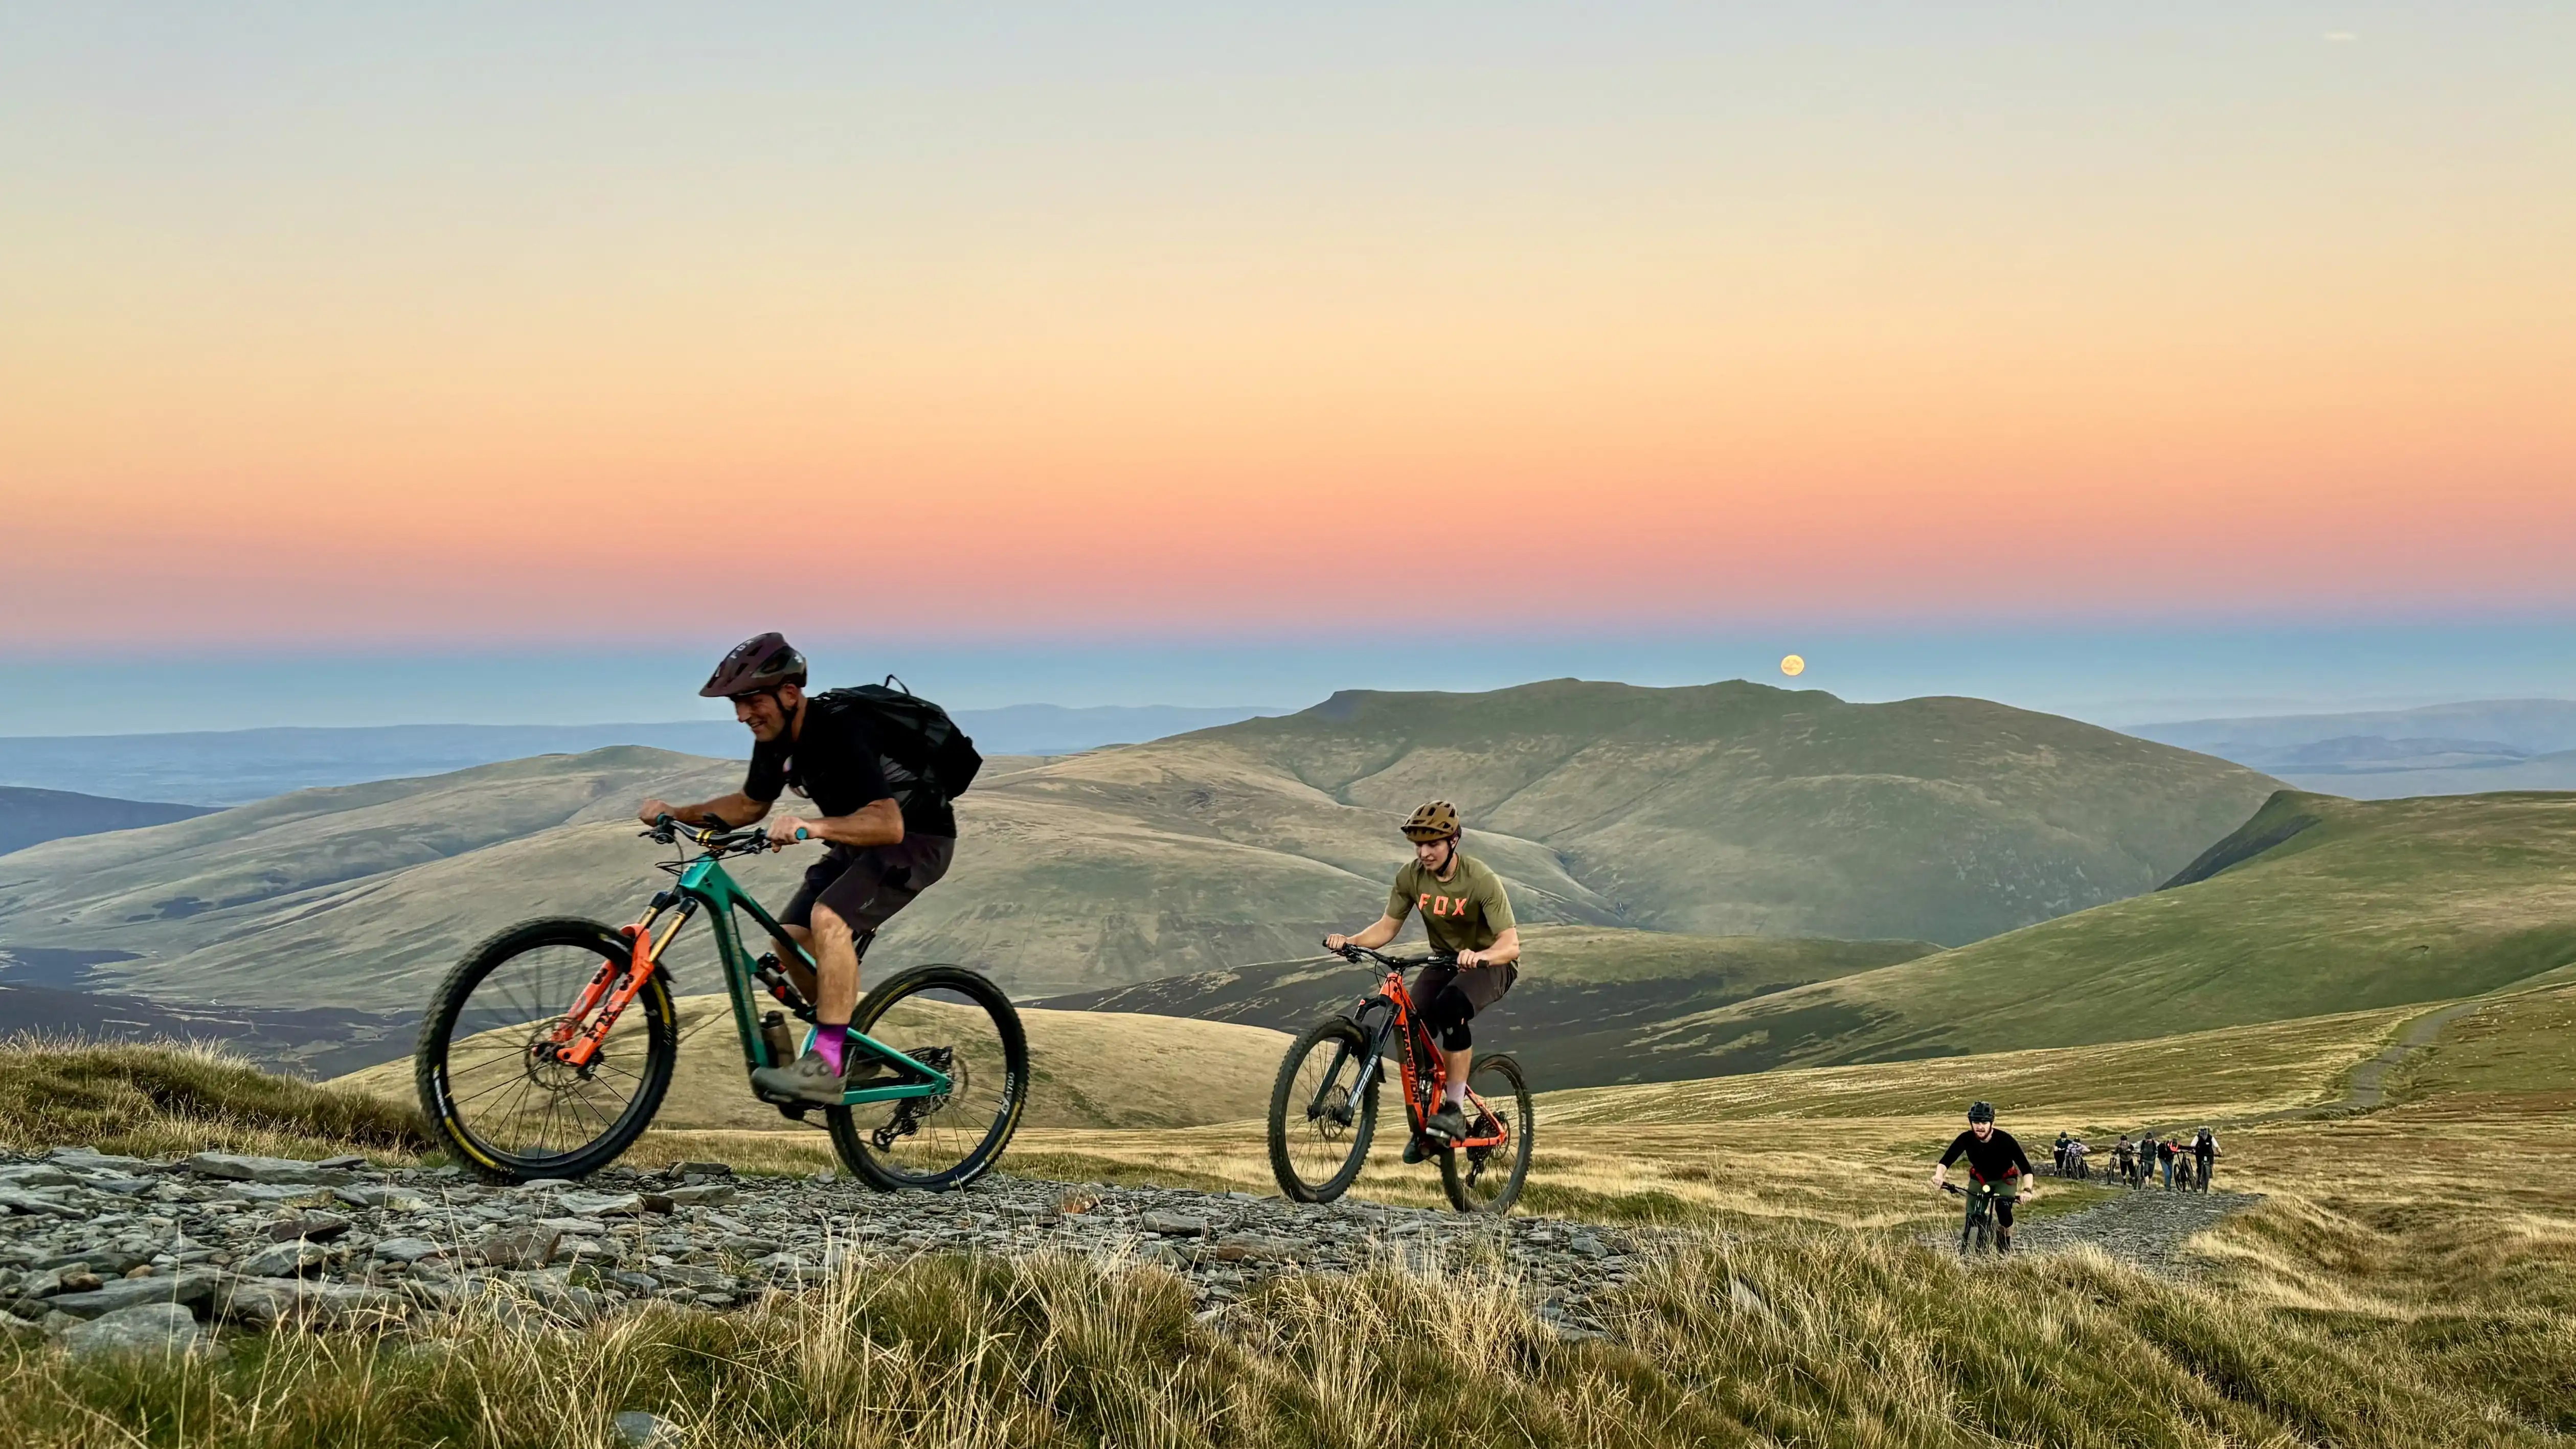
<point x="2315" y="905"/>
<point x="28" y="817"/>
<point x="162" y="1100"/>
<point x="1585" y="1000"/>
<point x="1729" y="809"/>
<point x="1086" y="1069"/>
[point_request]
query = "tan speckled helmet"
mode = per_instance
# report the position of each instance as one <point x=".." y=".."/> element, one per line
<point x="1435" y="821"/>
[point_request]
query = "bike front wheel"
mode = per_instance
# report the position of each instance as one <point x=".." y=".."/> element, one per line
<point x="960" y="1023"/>
<point x="1486" y="1175"/>
<point x="488" y="1080"/>
<point x="1320" y="1128"/>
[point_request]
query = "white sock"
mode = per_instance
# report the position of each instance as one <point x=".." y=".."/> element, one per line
<point x="1458" y="1095"/>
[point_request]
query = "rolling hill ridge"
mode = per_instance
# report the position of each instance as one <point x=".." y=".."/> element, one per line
<point x="1730" y="809"/>
<point x="2316" y="905"/>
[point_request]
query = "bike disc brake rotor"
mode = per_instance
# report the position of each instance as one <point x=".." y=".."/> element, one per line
<point x="1330" y="1115"/>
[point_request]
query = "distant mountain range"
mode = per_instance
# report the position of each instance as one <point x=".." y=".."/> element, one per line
<point x="1726" y="810"/>
<point x="2443" y="749"/>
<point x="234" y="767"/>
<point x="29" y="816"/>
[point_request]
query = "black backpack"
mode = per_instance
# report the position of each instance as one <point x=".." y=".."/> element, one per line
<point x="921" y="750"/>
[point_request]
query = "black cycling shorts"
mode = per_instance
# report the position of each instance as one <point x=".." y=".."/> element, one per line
<point x="1448" y="998"/>
<point x="866" y="886"/>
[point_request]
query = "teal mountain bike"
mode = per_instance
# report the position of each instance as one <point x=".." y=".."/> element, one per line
<point x="548" y="1050"/>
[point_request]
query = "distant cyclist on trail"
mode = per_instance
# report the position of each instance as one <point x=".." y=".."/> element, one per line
<point x="2204" y="1151"/>
<point x="1995" y="1161"/>
<point x="1465" y="913"/>
<point x="881" y="854"/>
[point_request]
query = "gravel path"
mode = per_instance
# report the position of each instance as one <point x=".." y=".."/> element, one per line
<point x="2368" y="1088"/>
<point x="251" y="1241"/>
<point x="2145" y="1226"/>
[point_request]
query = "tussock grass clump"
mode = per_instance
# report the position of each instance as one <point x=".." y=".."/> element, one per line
<point x="1805" y="1336"/>
<point x="166" y="1099"/>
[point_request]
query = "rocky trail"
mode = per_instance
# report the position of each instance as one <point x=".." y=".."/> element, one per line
<point x="2145" y="1226"/>
<point x="107" y="1251"/>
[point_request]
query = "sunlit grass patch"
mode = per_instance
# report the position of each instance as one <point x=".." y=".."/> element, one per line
<point x="164" y="1099"/>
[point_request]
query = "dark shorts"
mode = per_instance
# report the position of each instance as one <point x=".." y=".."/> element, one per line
<point x="864" y="887"/>
<point x="1481" y="985"/>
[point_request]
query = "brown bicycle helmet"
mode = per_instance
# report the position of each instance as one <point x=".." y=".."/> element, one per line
<point x="1435" y="821"/>
<point x="763" y="661"/>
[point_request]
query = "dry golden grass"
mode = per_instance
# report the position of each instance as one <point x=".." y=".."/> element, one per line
<point x="2411" y="1281"/>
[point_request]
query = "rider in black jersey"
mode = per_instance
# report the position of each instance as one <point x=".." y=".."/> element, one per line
<point x="880" y="854"/>
<point x="1994" y="1160"/>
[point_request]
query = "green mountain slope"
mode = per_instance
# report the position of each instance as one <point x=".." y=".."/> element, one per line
<point x="1587" y="1000"/>
<point x="2316" y="904"/>
<point x="1730" y="809"/>
<point x="1727" y="809"/>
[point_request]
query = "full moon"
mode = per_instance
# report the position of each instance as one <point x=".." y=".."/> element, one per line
<point x="1793" y="666"/>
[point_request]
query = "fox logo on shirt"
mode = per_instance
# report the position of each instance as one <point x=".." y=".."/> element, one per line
<point x="1431" y="905"/>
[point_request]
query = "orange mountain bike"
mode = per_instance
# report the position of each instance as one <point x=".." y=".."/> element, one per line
<point x="1323" y="1109"/>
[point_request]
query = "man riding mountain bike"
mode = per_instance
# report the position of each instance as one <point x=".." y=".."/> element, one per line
<point x="1464" y="913"/>
<point x="1995" y="1164"/>
<point x="880" y="854"/>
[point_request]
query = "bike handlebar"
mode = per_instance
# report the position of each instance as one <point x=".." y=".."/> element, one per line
<point x="717" y="840"/>
<point x="1353" y="953"/>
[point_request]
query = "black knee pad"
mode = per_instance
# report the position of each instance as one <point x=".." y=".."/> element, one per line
<point x="1448" y="1014"/>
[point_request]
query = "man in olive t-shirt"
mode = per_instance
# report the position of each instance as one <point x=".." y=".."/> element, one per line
<point x="1466" y="914"/>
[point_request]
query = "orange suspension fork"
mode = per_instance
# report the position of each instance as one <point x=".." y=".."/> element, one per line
<point x="644" y="953"/>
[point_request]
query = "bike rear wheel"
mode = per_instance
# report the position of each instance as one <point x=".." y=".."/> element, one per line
<point x="488" y="1085"/>
<point x="960" y="1023"/>
<point x="1488" y="1179"/>
<point x="1319" y="1130"/>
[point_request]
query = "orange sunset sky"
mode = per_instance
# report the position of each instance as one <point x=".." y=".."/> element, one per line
<point x="435" y="324"/>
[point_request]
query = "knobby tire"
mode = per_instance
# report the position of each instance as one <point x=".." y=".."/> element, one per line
<point x="1288" y="1111"/>
<point x="851" y="1127"/>
<point x="1468" y="1179"/>
<point x="450" y="1119"/>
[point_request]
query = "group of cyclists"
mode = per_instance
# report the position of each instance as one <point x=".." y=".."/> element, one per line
<point x="884" y="850"/>
<point x="2185" y="1163"/>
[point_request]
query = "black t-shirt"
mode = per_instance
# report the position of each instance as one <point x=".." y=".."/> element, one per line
<point x="1993" y="1159"/>
<point x="835" y="763"/>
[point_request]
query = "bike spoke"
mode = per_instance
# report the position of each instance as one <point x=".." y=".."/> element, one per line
<point x="521" y="1103"/>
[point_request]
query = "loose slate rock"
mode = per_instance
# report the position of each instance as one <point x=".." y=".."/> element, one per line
<point x="529" y="1247"/>
<point x="188" y="1286"/>
<point x="291" y="1259"/>
<point x="234" y="1167"/>
<point x="640" y="1430"/>
<point x="410" y="1250"/>
<point x="601" y="1204"/>
<point x="267" y="1302"/>
<point x="1176" y="1225"/>
<point x="313" y="1227"/>
<point x="145" y="1328"/>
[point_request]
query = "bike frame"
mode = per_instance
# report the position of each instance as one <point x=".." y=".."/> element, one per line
<point x="1399" y="1023"/>
<point x="1982" y="1197"/>
<point x="703" y="884"/>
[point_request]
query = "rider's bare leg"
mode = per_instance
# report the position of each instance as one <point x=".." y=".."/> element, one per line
<point x="1454" y="1064"/>
<point x="836" y="967"/>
